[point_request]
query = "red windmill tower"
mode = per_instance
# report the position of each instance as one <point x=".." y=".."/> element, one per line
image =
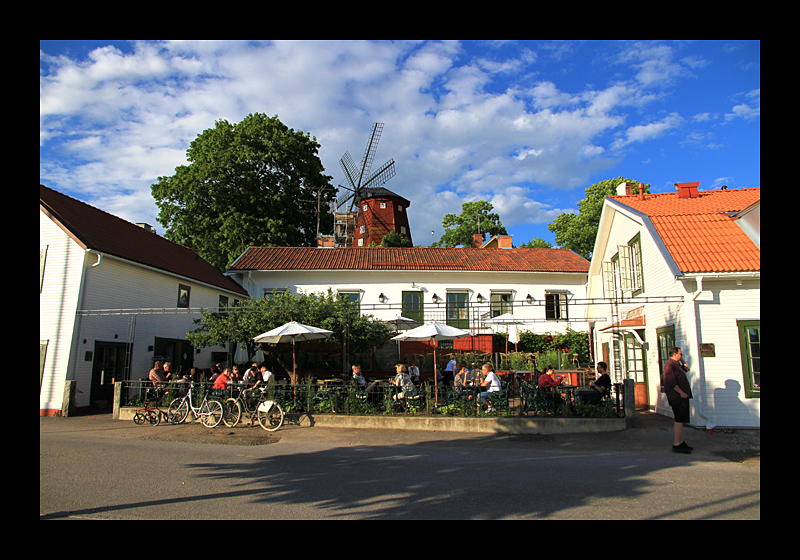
<point x="367" y="211"/>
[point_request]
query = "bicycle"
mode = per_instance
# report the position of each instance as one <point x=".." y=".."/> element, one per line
<point x="152" y="415"/>
<point x="210" y="411"/>
<point x="268" y="412"/>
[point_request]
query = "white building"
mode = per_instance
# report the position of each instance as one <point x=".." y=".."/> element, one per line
<point x="91" y="261"/>
<point x="459" y="286"/>
<point x="684" y="269"/>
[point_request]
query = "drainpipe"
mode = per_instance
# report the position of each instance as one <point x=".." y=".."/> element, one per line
<point x="701" y="403"/>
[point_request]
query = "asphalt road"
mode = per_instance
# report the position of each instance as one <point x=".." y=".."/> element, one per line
<point x="96" y="468"/>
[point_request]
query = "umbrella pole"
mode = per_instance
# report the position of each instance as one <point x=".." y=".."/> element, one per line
<point x="435" y="381"/>
<point x="294" y="371"/>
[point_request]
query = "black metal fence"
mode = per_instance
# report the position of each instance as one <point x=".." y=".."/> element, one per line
<point x="516" y="398"/>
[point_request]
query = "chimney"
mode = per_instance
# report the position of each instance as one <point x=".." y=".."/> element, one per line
<point x="146" y="227"/>
<point x="641" y="191"/>
<point x="477" y="240"/>
<point x="624" y="189"/>
<point x="687" y="190"/>
<point x="504" y="242"/>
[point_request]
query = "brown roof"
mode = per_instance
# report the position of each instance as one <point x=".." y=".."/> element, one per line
<point x="698" y="232"/>
<point x="99" y="231"/>
<point x="410" y="258"/>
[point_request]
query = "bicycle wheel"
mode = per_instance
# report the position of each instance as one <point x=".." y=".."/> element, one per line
<point x="271" y="419"/>
<point x="178" y="410"/>
<point x="154" y="417"/>
<point x="211" y="414"/>
<point x="231" y="413"/>
<point x="138" y="418"/>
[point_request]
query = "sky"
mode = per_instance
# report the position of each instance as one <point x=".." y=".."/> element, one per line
<point x="525" y="125"/>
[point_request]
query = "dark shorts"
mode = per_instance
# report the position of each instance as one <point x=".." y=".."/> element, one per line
<point x="680" y="409"/>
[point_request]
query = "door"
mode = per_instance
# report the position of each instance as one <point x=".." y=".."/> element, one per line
<point x="108" y="366"/>
<point x="635" y="366"/>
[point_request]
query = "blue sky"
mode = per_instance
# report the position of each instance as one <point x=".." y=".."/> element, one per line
<point x="526" y="125"/>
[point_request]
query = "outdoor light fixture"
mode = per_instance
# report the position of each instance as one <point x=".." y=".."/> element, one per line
<point x="382" y="298"/>
<point x="480" y="299"/>
<point x="436" y="299"/>
<point x="529" y="299"/>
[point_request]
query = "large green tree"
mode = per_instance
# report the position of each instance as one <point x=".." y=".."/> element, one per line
<point x="245" y="320"/>
<point x="578" y="231"/>
<point x="476" y="217"/>
<point x="256" y="182"/>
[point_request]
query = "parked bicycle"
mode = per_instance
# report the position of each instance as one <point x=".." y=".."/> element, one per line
<point x="268" y="412"/>
<point x="148" y="413"/>
<point x="209" y="412"/>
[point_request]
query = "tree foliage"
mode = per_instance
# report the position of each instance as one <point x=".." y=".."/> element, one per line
<point x="578" y="231"/>
<point x="476" y="217"/>
<point x="245" y="320"/>
<point x="256" y="182"/>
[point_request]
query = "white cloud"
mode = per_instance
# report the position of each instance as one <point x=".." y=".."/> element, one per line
<point x="457" y="127"/>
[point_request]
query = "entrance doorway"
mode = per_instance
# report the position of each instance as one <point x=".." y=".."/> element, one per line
<point x="108" y="366"/>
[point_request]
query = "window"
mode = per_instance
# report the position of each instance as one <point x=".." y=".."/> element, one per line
<point x="223" y="301"/>
<point x="555" y="306"/>
<point x="383" y="205"/>
<point x="623" y="273"/>
<point x="272" y="293"/>
<point x="634" y="359"/>
<point x="750" y="345"/>
<point x="361" y="242"/>
<point x="364" y="208"/>
<point x="413" y="306"/>
<point x="183" y="295"/>
<point x="457" y="310"/>
<point x="501" y="302"/>
<point x="666" y="340"/>
<point x="403" y="230"/>
<point x="353" y="297"/>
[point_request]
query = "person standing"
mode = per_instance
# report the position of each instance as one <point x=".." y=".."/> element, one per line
<point x="678" y="391"/>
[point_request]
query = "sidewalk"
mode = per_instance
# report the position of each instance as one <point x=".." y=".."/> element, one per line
<point x="652" y="433"/>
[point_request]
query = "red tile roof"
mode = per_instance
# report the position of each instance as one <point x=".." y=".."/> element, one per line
<point x="410" y="258"/>
<point x="698" y="232"/>
<point x="97" y="230"/>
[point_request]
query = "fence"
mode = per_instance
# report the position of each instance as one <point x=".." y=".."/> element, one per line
<point x="517" y="398"/>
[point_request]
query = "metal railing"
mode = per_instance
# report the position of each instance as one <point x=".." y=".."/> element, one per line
<point x="517" y="398"/>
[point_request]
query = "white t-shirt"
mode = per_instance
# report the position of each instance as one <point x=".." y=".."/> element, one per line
<point x="494" y="382"/>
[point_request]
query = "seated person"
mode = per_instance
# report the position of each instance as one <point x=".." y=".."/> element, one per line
<point x="548" y="379"/>
<point x="158" y="376"/>
<point x="461" y="378"/>
<point x="490" y="380"/>
<point x="358" y="378"/>
<point x="603" y="383"/>
<point x="221" y="382"/>
<point x="403" y="381"/>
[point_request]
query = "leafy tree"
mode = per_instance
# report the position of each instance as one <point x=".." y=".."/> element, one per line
<point x="252" y="183"/>
<point x="395" y="239"/>
<point x="578" y="231"/>
<point x="536" y="243"/>
<point x="242" y="322"/>
<point x="476" y="217"/>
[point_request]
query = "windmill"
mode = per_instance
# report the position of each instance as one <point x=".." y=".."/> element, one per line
<point x="348" y="214"/>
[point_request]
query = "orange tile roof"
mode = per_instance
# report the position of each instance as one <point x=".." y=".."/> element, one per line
<point x="410" y="258"/>
<point x="698" y="232"/>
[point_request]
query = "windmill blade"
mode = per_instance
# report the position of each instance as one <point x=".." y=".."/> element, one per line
<point x="349" y="168"/>
<point x="369" y="153"/>
<point x="380" y="177"/>
<point x="343" y="198"/>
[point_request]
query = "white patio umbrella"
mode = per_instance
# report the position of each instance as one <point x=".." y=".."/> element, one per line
<point x="401" y="323"/>
<point x="509" y="321"/>
<point x="292" y="331"/>
<point x="433" y="331"/>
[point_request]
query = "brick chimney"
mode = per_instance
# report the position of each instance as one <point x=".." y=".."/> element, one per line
<point x="504" y="242"/>
<point x="625" y="189"/>
<point x="477" y="240"/>
<point x="687" y="190"/>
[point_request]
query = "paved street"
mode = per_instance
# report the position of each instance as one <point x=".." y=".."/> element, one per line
<point x="93" y="467"/>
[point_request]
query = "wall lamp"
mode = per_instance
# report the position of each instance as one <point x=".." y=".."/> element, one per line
<point x="530" y="299"/>
<point x="480" y="298"/>
<point x="436" y="299"/>
<point x="382" y="298"/>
